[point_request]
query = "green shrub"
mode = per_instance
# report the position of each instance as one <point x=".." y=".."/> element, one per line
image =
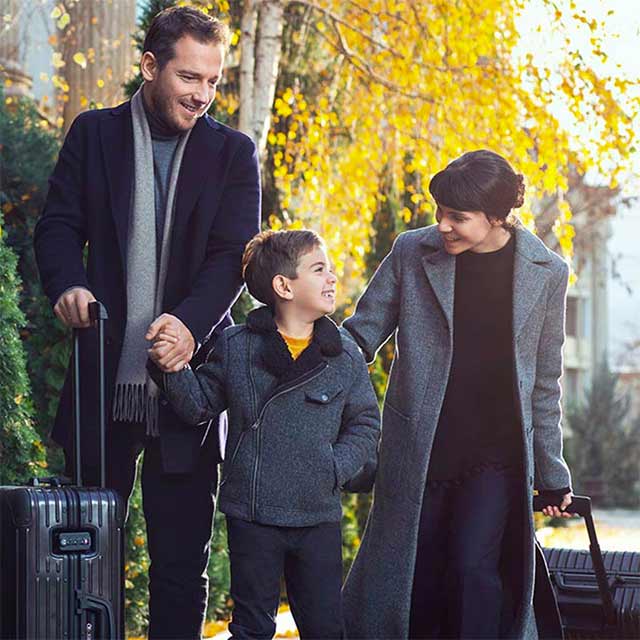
<point x="28" y="151"/>
<point x="22" y="454"/>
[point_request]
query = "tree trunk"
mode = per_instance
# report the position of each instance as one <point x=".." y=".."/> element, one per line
<point x="100" y="30"/>
<point x="261" y="45"/>
<point x="12" y="75"/>
<point x="247" y="64"/>
<point x="268" y="52"/>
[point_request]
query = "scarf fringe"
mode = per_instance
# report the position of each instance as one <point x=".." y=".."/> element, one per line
<point x="132" y="403"/>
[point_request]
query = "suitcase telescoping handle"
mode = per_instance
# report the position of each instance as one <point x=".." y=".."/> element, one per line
<point x="98" y="316"/>
<point x="581" y="505"/>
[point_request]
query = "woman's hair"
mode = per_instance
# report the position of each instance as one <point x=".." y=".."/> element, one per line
<point x="479" y="181"/>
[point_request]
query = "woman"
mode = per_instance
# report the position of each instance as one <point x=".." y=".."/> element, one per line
<point x="471" y="421"/>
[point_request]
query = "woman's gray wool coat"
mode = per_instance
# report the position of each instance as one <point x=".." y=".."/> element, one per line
<point x="412" y="295"/>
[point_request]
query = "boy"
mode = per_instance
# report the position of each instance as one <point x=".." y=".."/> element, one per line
<point x="303" y="420"/>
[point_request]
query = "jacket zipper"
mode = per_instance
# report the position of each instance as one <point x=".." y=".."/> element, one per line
<point x="255" y="427"/>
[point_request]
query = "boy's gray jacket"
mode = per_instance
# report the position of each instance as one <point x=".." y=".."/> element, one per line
<point x="298" y="430"/>
<point x="411" y="295"/>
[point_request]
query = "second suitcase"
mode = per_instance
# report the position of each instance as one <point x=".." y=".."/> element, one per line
<point x="598" y="593"/>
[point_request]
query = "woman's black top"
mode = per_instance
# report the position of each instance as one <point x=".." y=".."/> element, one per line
<point x="479" y="423"/>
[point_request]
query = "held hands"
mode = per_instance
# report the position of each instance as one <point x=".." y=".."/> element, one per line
<point x="559" y="512"/>
<point x="72" y="307"/>
<point x="173" y="344"/>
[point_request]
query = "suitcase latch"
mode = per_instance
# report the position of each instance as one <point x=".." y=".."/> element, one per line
<point x="68" y="541"/>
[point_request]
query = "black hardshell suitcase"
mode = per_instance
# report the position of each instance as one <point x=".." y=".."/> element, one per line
<point x="598" y="593"/>
<point x="61" y="546"/>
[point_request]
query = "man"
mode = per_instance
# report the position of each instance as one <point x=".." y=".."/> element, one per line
<point x="165" y="198"/>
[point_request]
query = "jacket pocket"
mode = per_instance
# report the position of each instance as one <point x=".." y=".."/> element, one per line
<point x="323" y="395"/>
<point x="396" y="431"/>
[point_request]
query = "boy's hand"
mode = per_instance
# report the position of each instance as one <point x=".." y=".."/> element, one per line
<point x="173" y="344"/>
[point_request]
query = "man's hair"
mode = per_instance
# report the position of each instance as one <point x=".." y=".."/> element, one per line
<point x="173" y="23"/>
<point x="272" y="253"/>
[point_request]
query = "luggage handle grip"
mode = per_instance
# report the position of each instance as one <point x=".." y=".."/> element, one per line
<point x="98" y="315"/>
<point x="53" y="481"/>
<point x="581" y="505"/>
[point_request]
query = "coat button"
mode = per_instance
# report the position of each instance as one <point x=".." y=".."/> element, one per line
<point x="324" y="397"/>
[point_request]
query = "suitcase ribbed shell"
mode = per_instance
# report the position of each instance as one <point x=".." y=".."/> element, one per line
<point x="41" y="582"/>
<point x="578" y="597"/>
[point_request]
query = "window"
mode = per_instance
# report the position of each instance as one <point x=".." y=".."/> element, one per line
<point x="572" y="317"/>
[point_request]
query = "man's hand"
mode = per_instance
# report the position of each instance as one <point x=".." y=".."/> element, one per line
<point x="72" y="307"/>
<point x="173" y="344"/>
<point x="559" y="512"/>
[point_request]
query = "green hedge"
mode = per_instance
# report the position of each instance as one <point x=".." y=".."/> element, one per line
<point x="22" y="454"/>
<point x="29" y="148"/>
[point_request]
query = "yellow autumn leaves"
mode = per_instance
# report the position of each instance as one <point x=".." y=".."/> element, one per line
<point x="402" y="88"/>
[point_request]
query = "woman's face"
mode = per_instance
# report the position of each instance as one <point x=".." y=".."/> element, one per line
<point x="469" y="231"/>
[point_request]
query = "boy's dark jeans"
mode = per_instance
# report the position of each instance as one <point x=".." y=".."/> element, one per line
<point x="310" y="559"/>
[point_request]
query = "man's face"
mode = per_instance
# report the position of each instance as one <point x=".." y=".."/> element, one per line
<point x="185" y="88"/>
<point x="314" y="290"/>
<point x="467" y="230"/>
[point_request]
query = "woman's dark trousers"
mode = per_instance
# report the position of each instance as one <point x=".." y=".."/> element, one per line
<point x="310" y="558"/>
<point x="457" y="589"/>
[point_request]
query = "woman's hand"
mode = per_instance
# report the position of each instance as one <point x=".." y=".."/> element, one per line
<point x="559" y="512"/>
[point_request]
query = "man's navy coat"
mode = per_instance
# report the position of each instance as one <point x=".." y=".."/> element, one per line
<point x="217" y="211"/>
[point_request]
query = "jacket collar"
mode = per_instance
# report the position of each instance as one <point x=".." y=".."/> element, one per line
<point x="530" y="272"/>
<point x="528" y="245"/>
<point x="275" y="355"/>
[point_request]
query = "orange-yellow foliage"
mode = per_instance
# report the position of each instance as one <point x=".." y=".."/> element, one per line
<point x="404" y="87"/>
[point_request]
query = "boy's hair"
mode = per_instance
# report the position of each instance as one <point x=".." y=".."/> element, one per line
<point x="272" y="253"/>
<point x="479" y="181"/>
<point x="173" y="23"/>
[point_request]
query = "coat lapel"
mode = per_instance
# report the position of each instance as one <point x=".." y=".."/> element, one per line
<point x="440" y="268"/>
<point x="202" y="160"/>
<point x="529" y="276"/>
<point x="116" y="135"/>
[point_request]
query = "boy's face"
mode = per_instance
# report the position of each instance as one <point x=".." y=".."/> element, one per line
<point x="313" y="292"/>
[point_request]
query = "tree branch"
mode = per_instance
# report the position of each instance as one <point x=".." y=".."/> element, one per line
<point x="337" y="19"/>
<point x="365" y="68"/>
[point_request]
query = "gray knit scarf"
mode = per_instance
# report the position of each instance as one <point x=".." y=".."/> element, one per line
<point x="136" y="395"/>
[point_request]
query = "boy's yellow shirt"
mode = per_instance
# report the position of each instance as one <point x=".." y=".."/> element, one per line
<point x="296" y="345"/>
